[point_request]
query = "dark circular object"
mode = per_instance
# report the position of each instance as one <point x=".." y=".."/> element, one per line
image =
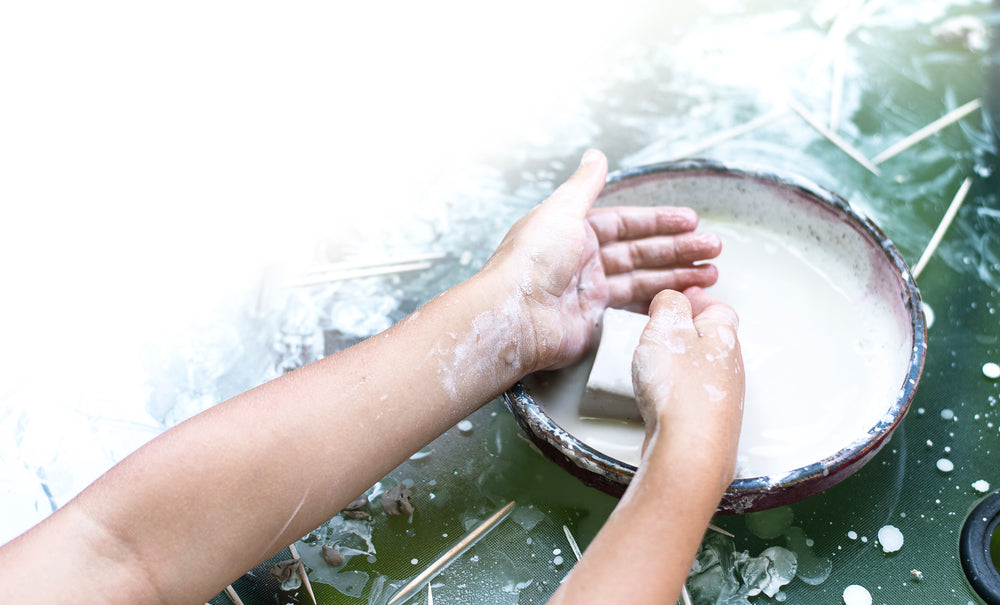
<point x="974" y="549"/>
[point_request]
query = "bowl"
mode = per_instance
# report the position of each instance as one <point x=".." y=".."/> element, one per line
<point x="833" y="334"/>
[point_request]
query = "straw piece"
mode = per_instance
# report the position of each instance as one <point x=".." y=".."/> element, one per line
<point x="685" y="595"/>
<point x="833" y="138"/>
<point x="451" y="554"/>
<point x="719" y="530"/>
<point x="849" y="19"/>
<point x="939" y="124"/>
<point x="235" y="598"/>
<point x="572" y="543"/>
<point x="358" y="274"/>
<point x="942" y="227"/>
<point x="302" y="572"/>
<point x="430" y="595"/>
<point x="347" y="266"/>
<point x="836" y="88"/>
<point x="732" y="133"/>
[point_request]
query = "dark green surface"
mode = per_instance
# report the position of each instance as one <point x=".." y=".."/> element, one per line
<point x="904" y="79"/>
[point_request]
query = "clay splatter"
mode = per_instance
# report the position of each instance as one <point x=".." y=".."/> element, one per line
<point x="890" y="538"/>
<point x="928" y="314"/>
<point x="857" y="595"/>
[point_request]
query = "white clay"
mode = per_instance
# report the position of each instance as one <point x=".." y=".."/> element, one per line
<point x="609" y="391"/>
<point x="890" y="538"/>
<point x="857" y="595"/>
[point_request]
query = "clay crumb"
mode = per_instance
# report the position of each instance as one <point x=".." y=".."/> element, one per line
<point x="283" y="570"/>
<point x="332" y="556"/>
<point x="396" y="500"/>
<point x="358" y="503"/>
<point x="354" y="509"/>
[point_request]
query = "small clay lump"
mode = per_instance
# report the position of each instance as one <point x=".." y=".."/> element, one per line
<point x="396" y="500"/>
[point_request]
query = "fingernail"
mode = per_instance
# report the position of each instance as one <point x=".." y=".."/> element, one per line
<point x="589" y="156"/>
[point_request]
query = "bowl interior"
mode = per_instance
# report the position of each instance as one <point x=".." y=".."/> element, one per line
<point x="832" y="335"/>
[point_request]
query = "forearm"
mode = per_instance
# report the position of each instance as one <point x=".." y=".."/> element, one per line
<point x="252" y="474"/>
<point x="644" y="551"/>
<point x="693" y="411"/>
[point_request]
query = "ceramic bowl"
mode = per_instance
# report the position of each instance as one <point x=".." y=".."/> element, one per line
<point x="833" y="228"/>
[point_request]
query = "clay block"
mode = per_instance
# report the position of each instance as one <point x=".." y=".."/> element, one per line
<point x="609" y="391"/>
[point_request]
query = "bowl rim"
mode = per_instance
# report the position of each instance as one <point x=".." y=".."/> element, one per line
<point x="752" y="493"/>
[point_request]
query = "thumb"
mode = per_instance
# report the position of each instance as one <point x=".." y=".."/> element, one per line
<point x="578" y="193"/>
<point x="709" y="311"/>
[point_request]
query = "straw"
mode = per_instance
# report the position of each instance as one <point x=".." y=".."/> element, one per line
<point x="833" y="138"/>
<point x="572" y="543"/>
<point x="358" y="274"/>
<point x="451" y="554"/>
<point x="942" y="227"/>
<point x="836" y="88"/>
<point x="235" y="598"/>
<point x="847" y="21"/>
<point x="685" y="595"/>
<point x="732" y="133"/>
<point x="719" y="530"/>
<point x="345" y="266"/>
<point x="302" y="572"/>
<point x="939" y="124"/>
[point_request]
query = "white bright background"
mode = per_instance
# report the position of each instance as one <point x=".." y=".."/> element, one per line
<point x="148" y="151"/>
<point x="154" y="158"/>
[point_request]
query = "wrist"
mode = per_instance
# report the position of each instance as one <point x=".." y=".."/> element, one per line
<point x="499" y="325"/>
<point x="692" y="456"/>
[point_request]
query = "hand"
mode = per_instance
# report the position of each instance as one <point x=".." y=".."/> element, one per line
<point x="688" y="376"/>
<point x="565" y="263"/>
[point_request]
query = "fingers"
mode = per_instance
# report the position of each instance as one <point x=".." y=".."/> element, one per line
<point x="659" y="252"/>
<point x="625" y="223"/>
<point x="697" y="311"/>
<point x="709" y="313"/>
<point x="634" y="290"/>
<point x="578" y="193"/>
<point x="671" y="308"/>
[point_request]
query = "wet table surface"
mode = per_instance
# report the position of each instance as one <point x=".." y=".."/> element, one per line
<point x="669" y="85"/>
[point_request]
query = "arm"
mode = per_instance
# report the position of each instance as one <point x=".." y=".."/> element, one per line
<point x="196" y="507"/>
<point x="688" y="377"/>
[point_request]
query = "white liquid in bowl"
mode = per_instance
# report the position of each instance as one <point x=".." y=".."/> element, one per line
<point x="824" y="351"/>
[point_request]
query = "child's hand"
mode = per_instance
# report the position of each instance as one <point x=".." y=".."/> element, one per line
<point x="688" y="377"/>
<point x="564" y="263"/>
